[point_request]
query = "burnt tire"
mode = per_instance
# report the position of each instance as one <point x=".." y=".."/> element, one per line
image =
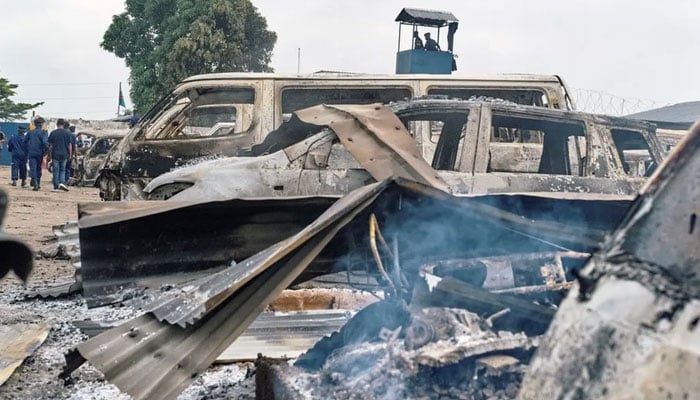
<point x="110" y="187"/>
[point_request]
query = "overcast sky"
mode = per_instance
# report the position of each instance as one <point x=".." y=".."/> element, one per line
<point x="632" y="49"/>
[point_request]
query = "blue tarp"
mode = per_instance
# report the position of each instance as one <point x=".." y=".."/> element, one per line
<point x="9" y="129"/>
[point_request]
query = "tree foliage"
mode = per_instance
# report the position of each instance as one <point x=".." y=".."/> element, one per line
<point x="9" y="110"/>
<point x="165" y="41"/>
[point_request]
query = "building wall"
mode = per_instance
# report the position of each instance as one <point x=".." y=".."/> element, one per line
<point x="9" y="129"/>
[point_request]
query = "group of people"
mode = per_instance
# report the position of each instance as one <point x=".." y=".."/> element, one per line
<point x="430" y="44"/>
<point x="30" y="147"/>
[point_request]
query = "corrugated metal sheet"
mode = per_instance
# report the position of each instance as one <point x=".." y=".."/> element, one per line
<point x="274" y="335"/>
<point x="126" y="240"/>
<point x="151" y="359"/>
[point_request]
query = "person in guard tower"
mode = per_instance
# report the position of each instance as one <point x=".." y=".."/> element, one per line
<point x="430" y="44"/>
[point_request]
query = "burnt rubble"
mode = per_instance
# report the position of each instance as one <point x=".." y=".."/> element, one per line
<point x="460" y="358"/>
<point x="187" y="327"/>
<point x="496" y="296"/>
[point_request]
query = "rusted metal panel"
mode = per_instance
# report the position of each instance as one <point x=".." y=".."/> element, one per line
<point x="127" y="249"/>
<point x="631" y="322"/>
<point x="284" y="335"/>
<point x="17" y="342"/>
<point x="377" y="139"/>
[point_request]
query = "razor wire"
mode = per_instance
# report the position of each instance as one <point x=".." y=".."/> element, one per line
<point x="599" y="102"/>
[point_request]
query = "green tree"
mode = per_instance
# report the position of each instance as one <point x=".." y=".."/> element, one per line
<point x="165" y="41"/>
<point x="9" y="110"/>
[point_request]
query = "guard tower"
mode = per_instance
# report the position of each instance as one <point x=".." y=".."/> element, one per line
<point x="420" y="60"/>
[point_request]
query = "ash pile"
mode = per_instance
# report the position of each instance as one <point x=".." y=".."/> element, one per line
<point x="462" y="329"/>
<point x="441" y="338"/>
<point x="434" y="353"/>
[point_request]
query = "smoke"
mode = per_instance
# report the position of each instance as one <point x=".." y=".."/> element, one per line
<point x="431" y="353"/>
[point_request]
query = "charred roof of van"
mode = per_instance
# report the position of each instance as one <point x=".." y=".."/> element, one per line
<point x="331" y="75"/>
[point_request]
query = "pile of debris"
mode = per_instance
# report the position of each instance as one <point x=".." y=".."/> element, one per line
<point x="467" y="286"/>
<point x="64" y="244"/>
<point x="438" y="353"/>
<point x="187" y="326"/>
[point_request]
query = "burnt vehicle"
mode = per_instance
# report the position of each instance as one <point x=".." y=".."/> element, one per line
<point x="123" y="244"/>
<point x="90" y="159"/>
<point x="215" y="115"/>
<point x="476" y="146"/>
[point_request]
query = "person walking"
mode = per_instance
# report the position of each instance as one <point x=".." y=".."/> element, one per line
<point x="73" y="159"/>
<point x="36" y="145"/>
<point x="59" y="153"/>
<point x="19" y="156"/>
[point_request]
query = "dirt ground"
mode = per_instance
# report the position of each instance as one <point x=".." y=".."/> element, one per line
<point x="30" y="217"/>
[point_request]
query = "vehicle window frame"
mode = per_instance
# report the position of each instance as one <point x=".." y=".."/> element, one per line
<point x="540" y="89"/>
<point x="619" y="160"/>
<point x="142" y="136"/>
<point x="463" y="154"/>
<point x="91" y="150"/>
<point x="583" y="168"/>
<point x="340" y="86"/>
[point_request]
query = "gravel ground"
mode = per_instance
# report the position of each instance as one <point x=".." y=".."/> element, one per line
<point x="30" y="217"/>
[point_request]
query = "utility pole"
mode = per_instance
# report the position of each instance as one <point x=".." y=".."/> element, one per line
<point x="298" y="60"/>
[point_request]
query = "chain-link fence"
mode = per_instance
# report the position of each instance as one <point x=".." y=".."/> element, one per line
<point x="598" y="102"/>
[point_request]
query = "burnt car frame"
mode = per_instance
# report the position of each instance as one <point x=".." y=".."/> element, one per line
<point x="477" y="147"/>
<point x="90" y="159"/>
<point x="215" y="115"/>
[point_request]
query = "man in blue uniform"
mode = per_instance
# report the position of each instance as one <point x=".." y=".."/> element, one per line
<point x="36" y="144"/>
<point x="19" y="156"/>
<point x="59" y="152"/>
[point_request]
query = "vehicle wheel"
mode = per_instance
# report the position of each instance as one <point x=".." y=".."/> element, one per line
<point x="110" y="187"/>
